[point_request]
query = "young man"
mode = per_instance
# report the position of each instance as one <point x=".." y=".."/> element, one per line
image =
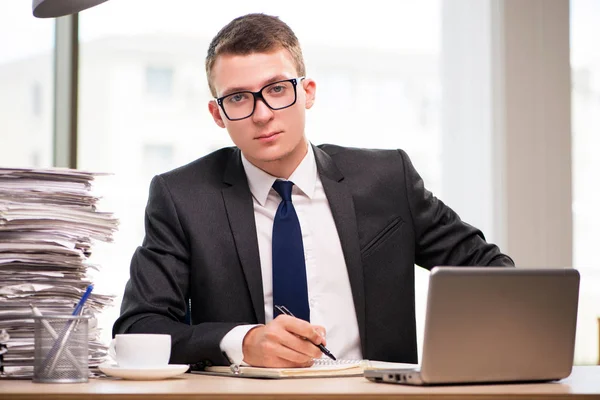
<point x="331" y="233"/>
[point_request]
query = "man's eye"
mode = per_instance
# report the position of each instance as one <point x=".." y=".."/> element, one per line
<point x="236" y="98"/>
<point x="277" y="89"/>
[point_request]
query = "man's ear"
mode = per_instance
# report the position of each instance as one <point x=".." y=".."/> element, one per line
<point x="213" y="108"/>
<point x="310" y="88"/>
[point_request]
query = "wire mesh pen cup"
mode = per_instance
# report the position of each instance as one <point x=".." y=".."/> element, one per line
<point x="61" y="349"/>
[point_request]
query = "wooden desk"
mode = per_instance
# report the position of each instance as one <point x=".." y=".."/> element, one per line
<point x="584" y="382"/>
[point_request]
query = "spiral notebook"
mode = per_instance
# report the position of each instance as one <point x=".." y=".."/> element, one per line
<point x="322" y="368"/>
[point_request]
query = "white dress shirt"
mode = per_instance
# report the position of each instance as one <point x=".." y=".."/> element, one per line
<point x="329" y="294"/>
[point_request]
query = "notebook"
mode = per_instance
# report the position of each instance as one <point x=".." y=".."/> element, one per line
<point x="322" y="368"/>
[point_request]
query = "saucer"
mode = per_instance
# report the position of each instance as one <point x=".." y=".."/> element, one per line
<point x="143" y="374"/>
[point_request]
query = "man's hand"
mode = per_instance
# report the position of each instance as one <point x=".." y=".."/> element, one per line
<point x="284" y="342"/>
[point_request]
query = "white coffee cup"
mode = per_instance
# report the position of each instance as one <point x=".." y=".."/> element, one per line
<point x="141" y="350"/>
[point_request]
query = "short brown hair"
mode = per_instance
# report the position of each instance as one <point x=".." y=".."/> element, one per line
<point x="253" y="33"/>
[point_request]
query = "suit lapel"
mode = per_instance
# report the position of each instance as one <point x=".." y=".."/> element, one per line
<point x="240" y="212"/>
<point x="342" y="208"/>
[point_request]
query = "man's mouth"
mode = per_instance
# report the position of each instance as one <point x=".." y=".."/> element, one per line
<point x="267" y="135"/>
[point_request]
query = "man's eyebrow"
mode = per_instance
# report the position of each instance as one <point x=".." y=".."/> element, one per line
<point x="236" y="89"/>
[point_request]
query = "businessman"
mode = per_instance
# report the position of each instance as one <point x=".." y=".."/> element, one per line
<point x="331" y="233"/>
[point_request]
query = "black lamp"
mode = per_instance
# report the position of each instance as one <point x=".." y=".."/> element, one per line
<point x="59" y="8"/>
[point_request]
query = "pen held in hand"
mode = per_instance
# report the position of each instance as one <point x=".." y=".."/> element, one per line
<point x="285" y="311"/>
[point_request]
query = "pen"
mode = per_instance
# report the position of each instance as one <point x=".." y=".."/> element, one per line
<point x="83" y="299"/>
<point x="284" y="310"/>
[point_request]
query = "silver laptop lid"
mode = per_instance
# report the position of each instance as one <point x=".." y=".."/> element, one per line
<point x="488" y="324"/>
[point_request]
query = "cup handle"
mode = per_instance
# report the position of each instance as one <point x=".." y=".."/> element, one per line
<point x="112" y="350"/>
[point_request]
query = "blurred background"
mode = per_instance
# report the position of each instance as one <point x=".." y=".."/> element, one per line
<point x="497" y="102"/>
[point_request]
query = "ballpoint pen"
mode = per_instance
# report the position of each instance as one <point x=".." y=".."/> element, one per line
<point x="284" y="310"/>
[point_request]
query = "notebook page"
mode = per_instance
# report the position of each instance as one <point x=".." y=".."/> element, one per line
<point x="326" y="367"/>
<point x="329" y="361"/>
<point x="321" y="367"/>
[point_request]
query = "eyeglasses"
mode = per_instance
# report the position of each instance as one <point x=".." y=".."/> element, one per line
<point x="277" y="96"/>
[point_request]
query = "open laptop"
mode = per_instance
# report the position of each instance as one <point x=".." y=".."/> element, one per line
<point x="490" y="324"/>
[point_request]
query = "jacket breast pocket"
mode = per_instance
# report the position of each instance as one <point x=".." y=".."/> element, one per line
<point x="380" y="239"/>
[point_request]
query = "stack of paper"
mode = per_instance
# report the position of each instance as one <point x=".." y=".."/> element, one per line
<point x="48" y="223"/>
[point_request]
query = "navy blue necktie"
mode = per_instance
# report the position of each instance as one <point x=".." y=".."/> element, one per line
<point x="289" y="270"/>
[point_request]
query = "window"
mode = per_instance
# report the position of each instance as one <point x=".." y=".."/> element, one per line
<point x="157" y="158"/>
<point x="26" y="79"/>
<point x="36" y="99"/>
<point x="585" y="78"/>
<point x="159" y="81"/>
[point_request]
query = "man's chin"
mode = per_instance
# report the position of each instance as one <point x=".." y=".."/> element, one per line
<point x="269" y="160"/>
<point x="275" y="153"/>
<point x="268" y="155"/>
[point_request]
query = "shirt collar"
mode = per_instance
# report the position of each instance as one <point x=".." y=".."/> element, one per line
<point x="304" y="177"/>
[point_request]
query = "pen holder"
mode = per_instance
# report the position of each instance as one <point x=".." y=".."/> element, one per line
<point x="61" y="349"/>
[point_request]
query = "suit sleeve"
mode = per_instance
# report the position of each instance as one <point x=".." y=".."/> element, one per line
<point x="155" y="296"/>
<point x="441" y="237"/>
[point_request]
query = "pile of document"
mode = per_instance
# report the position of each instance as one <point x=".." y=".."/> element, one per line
<point x="48" y="224"/>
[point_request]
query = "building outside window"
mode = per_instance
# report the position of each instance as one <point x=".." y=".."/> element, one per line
<point x="26" y="82"/>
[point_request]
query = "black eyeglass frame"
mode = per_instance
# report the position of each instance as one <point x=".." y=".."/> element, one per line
<point x="258" y="95"/>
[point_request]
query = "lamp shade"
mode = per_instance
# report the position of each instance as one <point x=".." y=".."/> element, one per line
<point x="59" y="8"/>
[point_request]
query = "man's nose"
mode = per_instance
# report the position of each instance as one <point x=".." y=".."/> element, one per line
<point x="262" y="112"/>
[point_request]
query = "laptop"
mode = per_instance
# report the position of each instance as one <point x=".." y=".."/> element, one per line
<point x="491" y="324"/>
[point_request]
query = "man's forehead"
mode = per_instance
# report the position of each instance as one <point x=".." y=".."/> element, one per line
<point x="251" y="70"/>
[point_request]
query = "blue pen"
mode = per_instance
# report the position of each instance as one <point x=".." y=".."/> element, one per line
<point x="59" y="344"/>
<point x="79" y="306"/>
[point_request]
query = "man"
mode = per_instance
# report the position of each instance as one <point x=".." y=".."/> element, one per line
<point x="332" y="233"/>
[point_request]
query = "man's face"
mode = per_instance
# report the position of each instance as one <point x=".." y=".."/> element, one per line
<point x="266" y="136"/>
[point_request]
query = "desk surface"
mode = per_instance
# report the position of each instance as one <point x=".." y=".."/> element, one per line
<point x="584" y="382"/>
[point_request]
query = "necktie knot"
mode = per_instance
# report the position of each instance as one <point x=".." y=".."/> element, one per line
<point x="284" y="188"/>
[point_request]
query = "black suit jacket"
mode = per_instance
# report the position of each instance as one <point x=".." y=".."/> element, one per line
<point x="201" y="244"/>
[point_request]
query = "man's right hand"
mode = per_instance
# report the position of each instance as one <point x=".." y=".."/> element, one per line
<point x="284" y="342"/>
